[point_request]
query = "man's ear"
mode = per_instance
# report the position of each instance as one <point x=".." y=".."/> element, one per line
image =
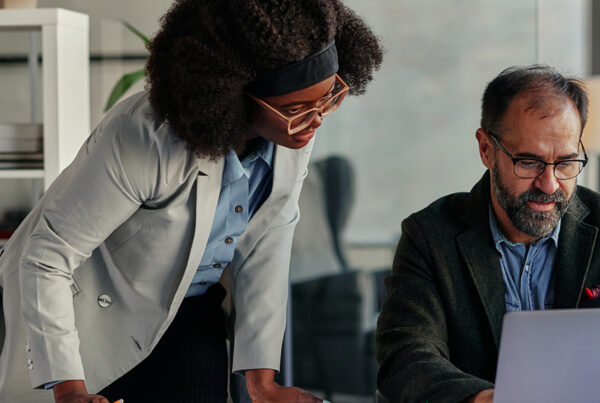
<point x="486" y="148"/>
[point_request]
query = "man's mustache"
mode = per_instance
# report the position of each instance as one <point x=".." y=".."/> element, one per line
<point x="537" y="195"/>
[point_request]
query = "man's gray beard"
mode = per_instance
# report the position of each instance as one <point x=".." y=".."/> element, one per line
<point x="534" y="223"/>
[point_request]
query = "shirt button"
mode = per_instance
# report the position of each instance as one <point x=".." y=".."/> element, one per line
<point x="27" y="348"/>
<point x="238" y="209"/>
<point x="217" y="266"/>
<point x="228" y="240"/>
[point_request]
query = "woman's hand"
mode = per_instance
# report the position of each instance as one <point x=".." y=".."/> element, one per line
<point x="263" y="389"/>
<point x="75" y="392"/>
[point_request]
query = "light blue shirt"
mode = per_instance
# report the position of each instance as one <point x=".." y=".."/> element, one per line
<point x="527" y="273"/>
<point x="245" y="186"/>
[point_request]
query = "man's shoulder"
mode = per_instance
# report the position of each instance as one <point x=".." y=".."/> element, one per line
<point x="588" y="197"/>
<point x="589" y="201"/>
<point x="447" y="210"/>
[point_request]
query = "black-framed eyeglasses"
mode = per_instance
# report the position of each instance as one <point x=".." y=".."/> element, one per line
<point x="529" y="168"/>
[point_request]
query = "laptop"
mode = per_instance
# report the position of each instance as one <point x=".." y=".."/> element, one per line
<point x="549" y="356"/>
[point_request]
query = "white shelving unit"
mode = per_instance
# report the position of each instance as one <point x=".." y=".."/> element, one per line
<point x="65" y="84"/>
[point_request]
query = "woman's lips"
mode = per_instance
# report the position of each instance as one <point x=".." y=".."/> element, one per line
<point x="304" y="136"/>
<point x="540" y="206"/>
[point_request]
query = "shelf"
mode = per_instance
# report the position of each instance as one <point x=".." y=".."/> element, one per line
<point x="35" y="18"/>
<point x="21" y="173"/>
<point x="65" y="84"/>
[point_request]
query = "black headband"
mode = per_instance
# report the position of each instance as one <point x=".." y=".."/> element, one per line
<point x="297" y="75"/>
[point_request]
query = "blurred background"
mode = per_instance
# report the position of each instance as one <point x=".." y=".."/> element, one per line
<point x="407" y="142"/>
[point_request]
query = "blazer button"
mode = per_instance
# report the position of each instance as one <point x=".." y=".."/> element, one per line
<point x="217" y="265"/>
<point x="238" y="209"/>
<point x="228" y="240"/>
<point x="104" y="301"/>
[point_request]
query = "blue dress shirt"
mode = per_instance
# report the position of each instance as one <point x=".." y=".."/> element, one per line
<point x="527" y="273"/>
<point x="245" y="186"/>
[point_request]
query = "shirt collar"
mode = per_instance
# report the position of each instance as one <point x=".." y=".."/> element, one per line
<point x="234" y="168"/>
<point x="263" y="150"/>
<point x="500" y="238"/>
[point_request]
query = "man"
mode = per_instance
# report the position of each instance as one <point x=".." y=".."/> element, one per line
<point x="524" y="238"/>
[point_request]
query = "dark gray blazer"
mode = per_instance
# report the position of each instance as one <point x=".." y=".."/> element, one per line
<point x="438" y="333"/>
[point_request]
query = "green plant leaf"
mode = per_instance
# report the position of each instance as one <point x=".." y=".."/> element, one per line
<point x="138" y="33"/>
<point x="122" y="86"/>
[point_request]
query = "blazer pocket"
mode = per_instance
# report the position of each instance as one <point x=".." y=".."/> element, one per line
<point x="122" y="234"/>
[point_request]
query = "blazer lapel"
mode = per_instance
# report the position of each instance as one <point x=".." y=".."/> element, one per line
<point x="477" y="249"/>
<point x="484" y="268"/>
<point x="208" y="187"/>
<point x="285" y="168"/>
<point x="574" y="254"/>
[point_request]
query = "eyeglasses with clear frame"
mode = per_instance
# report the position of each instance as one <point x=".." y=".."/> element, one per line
<point x="301" y="120"/>
<point x="529" y="168"/>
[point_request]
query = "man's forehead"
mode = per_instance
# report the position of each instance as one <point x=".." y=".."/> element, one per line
<point x="542" y="108"/>
<point x="541" y="104"/>
<point x="537" y="121"/>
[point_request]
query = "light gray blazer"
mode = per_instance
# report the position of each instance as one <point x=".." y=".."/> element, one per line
<point x="96" y="272"/>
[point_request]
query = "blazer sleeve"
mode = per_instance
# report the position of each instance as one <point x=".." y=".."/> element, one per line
<point x="115" y="170"/>
<point x="260" y="286"/>
<point x="412" y="333"/>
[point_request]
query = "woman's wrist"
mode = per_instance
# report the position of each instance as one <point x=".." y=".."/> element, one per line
<point x="66" y="387"/>
<point x="260" y="380"/>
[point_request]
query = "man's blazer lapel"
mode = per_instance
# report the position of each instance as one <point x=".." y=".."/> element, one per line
<point x="484" y="268"/>
<point x="478" y="251"/>
<point x="573" y="257"/>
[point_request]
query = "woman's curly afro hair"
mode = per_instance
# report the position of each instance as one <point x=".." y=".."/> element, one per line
<point x="207" y="51"/>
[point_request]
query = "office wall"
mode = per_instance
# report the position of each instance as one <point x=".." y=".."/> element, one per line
<point x="411" y="137"/>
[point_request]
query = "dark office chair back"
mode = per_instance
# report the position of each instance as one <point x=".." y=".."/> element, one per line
<point x="338" y="181"/>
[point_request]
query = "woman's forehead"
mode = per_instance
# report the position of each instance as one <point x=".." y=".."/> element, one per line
<point x="305" y="95"/>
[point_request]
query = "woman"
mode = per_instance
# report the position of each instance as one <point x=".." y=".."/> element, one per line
<point x="116" y="270"/>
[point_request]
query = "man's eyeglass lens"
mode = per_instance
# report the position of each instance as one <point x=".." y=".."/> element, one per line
<point x="529" y="169"/>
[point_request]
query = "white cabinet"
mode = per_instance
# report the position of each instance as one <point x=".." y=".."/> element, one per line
<point x="65" y="75"/>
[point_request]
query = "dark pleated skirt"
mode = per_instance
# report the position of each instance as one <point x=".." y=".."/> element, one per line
<point x="189" y="364"/>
